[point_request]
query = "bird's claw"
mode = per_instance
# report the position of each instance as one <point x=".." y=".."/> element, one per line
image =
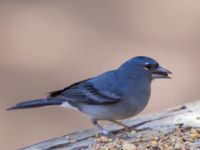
<point x="107" y="133"/>
<point x="128" y="129"/>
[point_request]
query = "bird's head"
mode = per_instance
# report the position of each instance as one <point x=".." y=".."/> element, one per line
<point x="146" y="66"/>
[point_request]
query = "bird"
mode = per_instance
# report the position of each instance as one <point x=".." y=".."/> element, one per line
<point x="112" y="96"/>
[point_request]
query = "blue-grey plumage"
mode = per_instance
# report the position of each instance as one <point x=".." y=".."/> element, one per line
<point x="113" y="95"/>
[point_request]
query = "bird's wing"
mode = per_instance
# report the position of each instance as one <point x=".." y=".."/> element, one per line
<point x="86" y="93"/>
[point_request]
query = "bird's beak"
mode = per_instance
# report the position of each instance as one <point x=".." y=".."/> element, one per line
<point x="161" y="72"/>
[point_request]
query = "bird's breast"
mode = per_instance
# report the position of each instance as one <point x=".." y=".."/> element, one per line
<point x="137" y="97"/>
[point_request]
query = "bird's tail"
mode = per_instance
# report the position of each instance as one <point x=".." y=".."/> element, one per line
<point x="36" y="103"/>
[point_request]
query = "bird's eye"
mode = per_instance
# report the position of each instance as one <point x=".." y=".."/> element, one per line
<point x="156" y="66"/>
<point x="148" y="66"/>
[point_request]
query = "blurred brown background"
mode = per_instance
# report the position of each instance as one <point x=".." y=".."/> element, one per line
<point x="46" y="45"/>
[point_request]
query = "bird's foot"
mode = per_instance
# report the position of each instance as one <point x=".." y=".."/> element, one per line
<point x="107" y="133"/>
<point x="128" y="129"/>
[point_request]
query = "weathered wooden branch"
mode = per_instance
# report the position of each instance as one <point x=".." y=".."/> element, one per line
<point x="165" y="122"/>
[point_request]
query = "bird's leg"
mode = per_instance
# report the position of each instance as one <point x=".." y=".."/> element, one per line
<point x="127" y="128"/>
<point x="95" y="123"/>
